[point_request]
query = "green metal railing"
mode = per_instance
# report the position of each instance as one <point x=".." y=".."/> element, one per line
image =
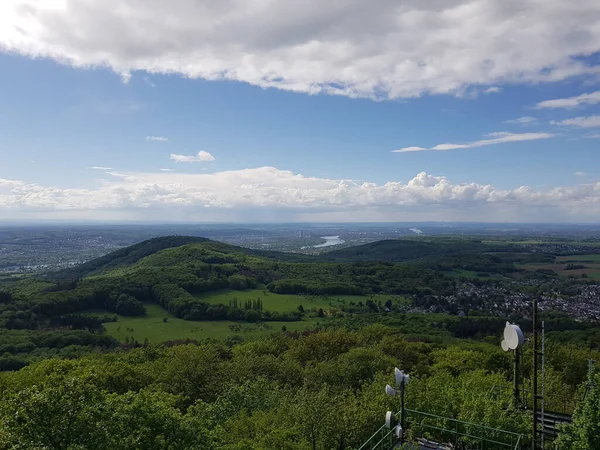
<point x="382" y="439"/>
<point x="445" y="430"/>
<point x="462" y="434"/>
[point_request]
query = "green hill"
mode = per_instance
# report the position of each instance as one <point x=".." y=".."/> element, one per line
<point x="174" y="272"/>
<point x="125" y="256"/>
<point x="396" y="250"/>
<point x="132" y="254"/>
<point x="180" y="273"/>
<point x="400" y="250"/>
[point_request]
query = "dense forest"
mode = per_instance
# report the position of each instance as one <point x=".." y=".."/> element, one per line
<point x="67" y="384"/>
<point x="320" y="390"/>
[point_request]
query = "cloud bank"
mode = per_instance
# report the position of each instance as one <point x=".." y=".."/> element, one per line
<point x="267" y="193"/>
<point x="378" y="49"/>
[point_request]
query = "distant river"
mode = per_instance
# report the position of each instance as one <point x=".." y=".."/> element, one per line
<point x="329" y="241"/>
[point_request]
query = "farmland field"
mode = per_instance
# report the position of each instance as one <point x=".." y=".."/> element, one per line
<point x="156" y="330"/>
<point x="472" y="274"/>
<point x="152" y="327"/>
<point x="591" y="265"/>
<point x="580" y="258"/>
<point x="290" y="302"/>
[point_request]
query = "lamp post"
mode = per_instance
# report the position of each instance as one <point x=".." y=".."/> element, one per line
<point x="402" y="380"/>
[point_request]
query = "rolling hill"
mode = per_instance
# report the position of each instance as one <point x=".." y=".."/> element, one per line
<point x="175" y="271"/>
<point x="401" y="250"/>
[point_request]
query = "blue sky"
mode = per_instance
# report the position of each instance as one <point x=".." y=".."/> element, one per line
<point x="326" y="131"/>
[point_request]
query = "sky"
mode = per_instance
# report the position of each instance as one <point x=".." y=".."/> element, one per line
<point x="300" y="110"/>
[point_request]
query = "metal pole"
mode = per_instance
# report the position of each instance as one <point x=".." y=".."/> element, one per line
<point x="535" y="368"/>
<point x="402" y="411"/>
<point x="543" y="378"/>
<point x="516" y="392"/>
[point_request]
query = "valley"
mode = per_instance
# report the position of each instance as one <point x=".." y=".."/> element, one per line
<point x="195" y="330"/>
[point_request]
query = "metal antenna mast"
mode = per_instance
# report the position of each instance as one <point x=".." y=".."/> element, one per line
<point x="513" y="340"/>
<point x="535" y="375"/>
<point x="543" y="379"/>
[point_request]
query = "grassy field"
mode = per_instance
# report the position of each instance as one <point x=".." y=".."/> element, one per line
<point x="287" y="303"/>
<point x="10" y="278"/>
<point x="591" y="263"/>
<point x="152" y="327"/>
<point x="579" y="259"/>
<point x="472" y="274"/>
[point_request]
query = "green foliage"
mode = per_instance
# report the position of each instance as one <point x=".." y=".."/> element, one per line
<point x="5" y="296"/>
<point x="127" y="305"/>
<point x="19" y="347"/>
<point x="316" y="390"/>
<point x="75" y="413"/>
<point x="584" y="432"/>
<point x="322" y="390"/>
<point x="572" y="266"/>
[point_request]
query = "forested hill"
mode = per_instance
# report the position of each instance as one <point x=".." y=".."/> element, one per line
<point x="391" y="250"/>
<point x="174" y="272"/>
<point x="132" y="254"/>
<point x="400" y="250"/>
<point x="125" y="256"/>
<point x="177" y="273"/>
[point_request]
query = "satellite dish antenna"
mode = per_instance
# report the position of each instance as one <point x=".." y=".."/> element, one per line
<point x="390" y="390"/>
<point x="513" y="336"/>
<point x="504" y="345"/>
<point x="390" y="420"/>
<point x="401" y="377"/>
<point x="398" y="431"/>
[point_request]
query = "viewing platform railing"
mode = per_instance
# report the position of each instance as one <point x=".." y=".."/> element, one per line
<point x="446" y="431"/>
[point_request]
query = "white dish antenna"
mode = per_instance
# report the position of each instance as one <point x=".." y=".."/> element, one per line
<point x="390" y="420"/>
<point x="401" y="377"/>
<point x="513" y="337"/>
<point x="398" y="431"/>
<point x="390" y="390"/>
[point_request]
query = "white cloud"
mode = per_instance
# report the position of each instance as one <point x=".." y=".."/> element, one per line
<point x="149" y="82"/>
<point x="571" y="102"/>
<point x="270" y="194"/>
<point x="593" y="136"/>
<point x="525" y="120"/>
<point x="118" y="174"/>
<point x="409" y="149"/>
<point x="100" y="168"/>
<point x="202" y="156"/>
<point x="580" y="122"/>
<point x="579" y="174"/>
<point x="499" y="137"/>
<point x="380" y="49"/>
<point x="157" y="138"/>
<point x="167" y="170"/>
<point x="492" y="90"/>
